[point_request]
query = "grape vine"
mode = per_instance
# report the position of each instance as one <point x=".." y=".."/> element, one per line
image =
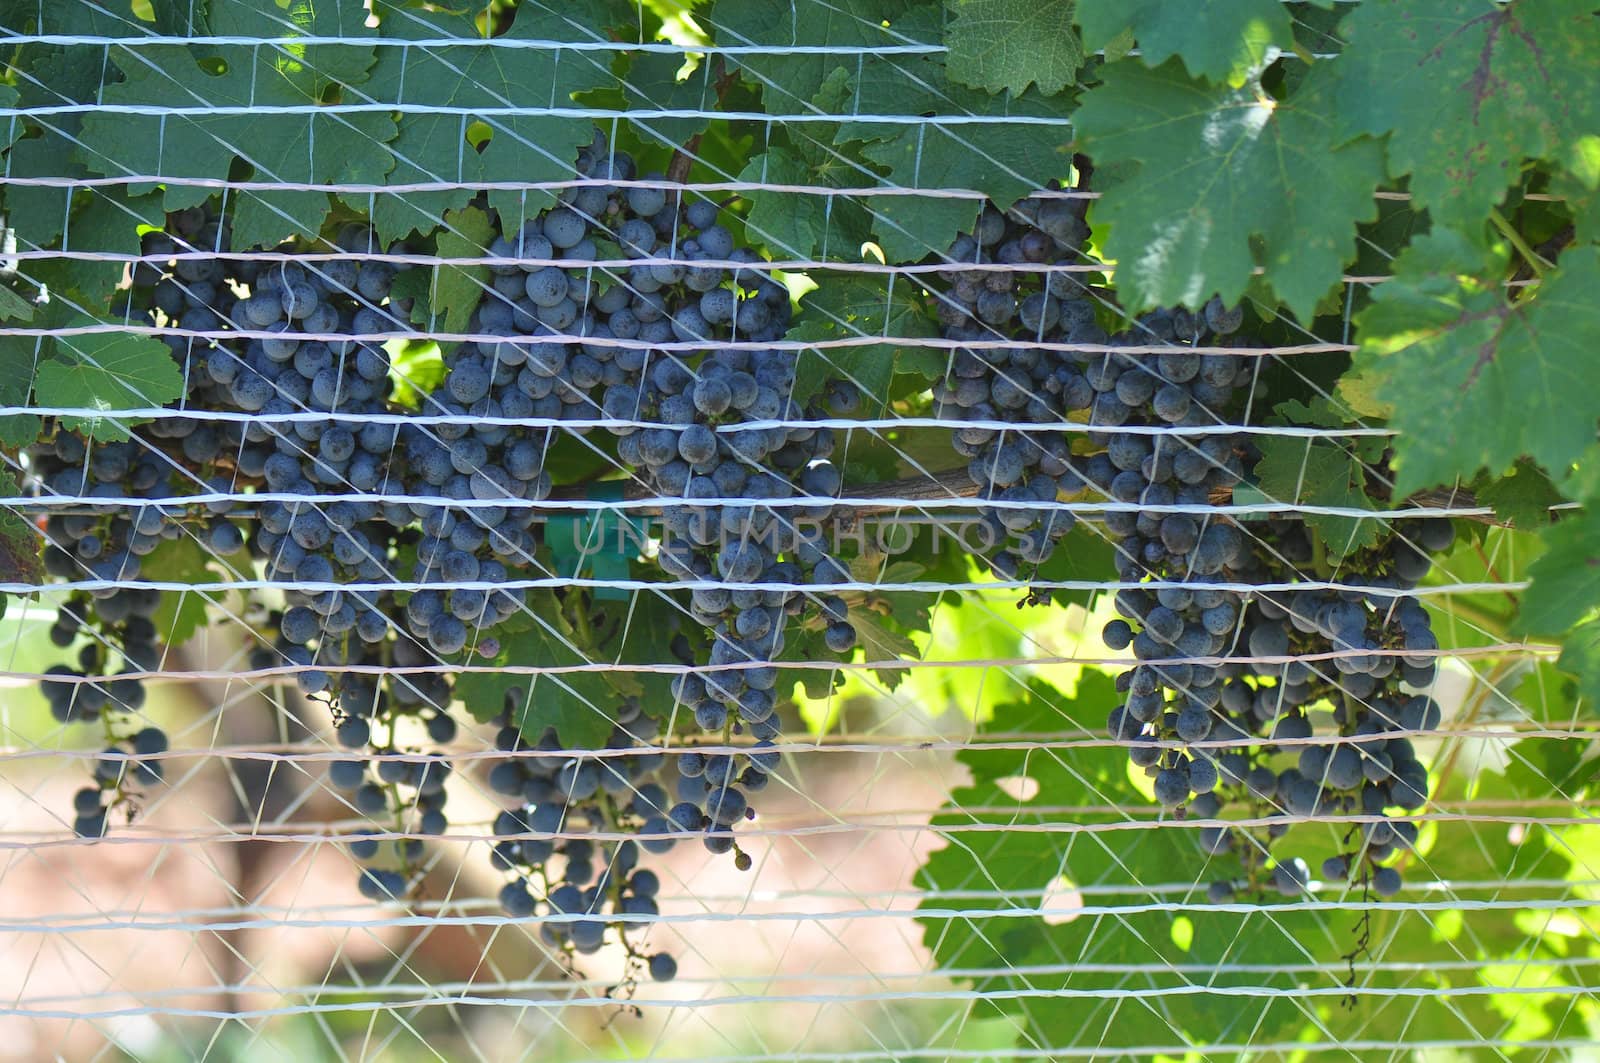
<point x="1278" y="321"/>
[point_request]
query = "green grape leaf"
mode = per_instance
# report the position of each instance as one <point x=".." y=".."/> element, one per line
<point x="1580" y="655"/>
<point x="1321" y="411"/>
<point x="1523" y="497"/>
<point x="19" y="357"/>
<point x="1467" y="89"/>
<point x="581" y="706"/>
<point x="108" y="221"/>
<point x="183" y="18"/>
<point x="1003" y="159"/>
<point x="800" y="226"/>
<point x="55" y="77"/>
<point x="180" y="613"/>
<point x="14" y="307"/>
<point x="1312" y="472"/>
<point x="457" y="290"/>
<point x="1551" y="697"/>
<point x="313" y="147"/>
<point x="652" y="85"/>
<point x="1083" y="555"/>
<point x="1565" y="587"/>
<point x="881" y="639"/>
<point x="789" y="81"/>
<point x="863" y="305"/>
<point x="20" y="542"/>
<point x="1007" y="45"/>
<point x="520" y="148"/>
<point x="644" y="630"/>
<point x="1582" y="200"/>
<point x="108" y="371"/>
<point x="1475" y="381"/>
<point x="416" y="285"/>
<point x="37" y="211"/>
<point x="1219" y="40"/>
<point x="807" y="644"/>
<point x="1227" y="179"/>
<point x="908" y="609"/>
<point x="13" y="128"/>
<point x="1014" y="867"/>
<point x="1541" y="767"/>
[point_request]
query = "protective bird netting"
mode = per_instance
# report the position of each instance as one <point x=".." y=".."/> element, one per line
<point x="594" y="531"/>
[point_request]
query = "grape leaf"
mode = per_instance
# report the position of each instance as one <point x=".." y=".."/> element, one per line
<point x="816" y="682"/>
<point x="1308" y="472"/>
<point x="55" y="75"/>
<point x="180" y="613"/>
<point x="1541" y="767"/>
<point x="880" y="640"/>
<point x="1523" y="497"/>
<point x="521" y="148"/>
<point x="1224" y="172"/>
<point x="1565" y="586"/>
<point x="108" y="371"/>
<point x="183" y="18"/>
<point x="1007" y="45"/>
<point x="1015" y="867"/>
<point x="14" y="307"/>
<point x="108" y="220"/>
<point x="652" y="85"/>
<point x="20" y="561"/>
<point x="1083" y="555"/>
<point x="18" y="361"/>
<point x="645" y="629"/>
<point x="1475" y="381"/>
<point x="1564" y="595"/>
<point x="1580" y="655"/>
<point x="789" y="81"/>
<point x="13" y="129"/>
<point x="581" y="706"/>
<point x="800" y="226"/>
<point x="37" y="211"/>
<point x="311" y="147"/>
<point x="1469" y="88"/>
<point x="1005" y="160"/>
<point x="1550" y="696"/>
<point x="1219" y="40"/>
<point x="858" y="305"/>
<point x="416" y="285"/>
<point x="457" y="290"/>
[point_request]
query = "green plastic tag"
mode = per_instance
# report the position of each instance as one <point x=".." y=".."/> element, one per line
<point x="1250" y="495"/>
<point x="603" y="540"/>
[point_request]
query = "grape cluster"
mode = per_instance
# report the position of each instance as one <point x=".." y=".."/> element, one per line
<point x="1372" y="696"/>
<point x="1017" y="384"/>
<point x="309" y="363"/>
<point x="667" y="350"/>
<point x="580" y="342"/>
<point x="1210" y="734"/>
<point x="1162" y="457"/>
<point x="701" y="453"/>
<point x="102" y="540"/>
<point x="556" y="870"/>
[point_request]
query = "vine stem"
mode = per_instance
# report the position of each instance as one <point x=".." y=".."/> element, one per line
<point x="1536" y="262"/>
